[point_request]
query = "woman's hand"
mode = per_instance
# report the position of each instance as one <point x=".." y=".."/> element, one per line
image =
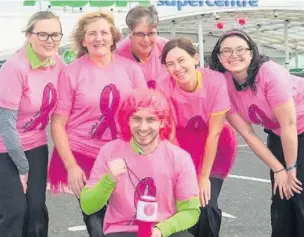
<point x="280" y="183"/>
<point x="205" y="191"/>
<point x="294" y="185"/>
<point x="23" y="179"/>
<point x="76" y="179"/>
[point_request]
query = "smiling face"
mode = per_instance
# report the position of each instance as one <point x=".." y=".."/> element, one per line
<point x="235" y="54"/>
<point x="98" y="38"/>
<point x="181" y="66"/>
<point x="145" y="127"/>
<point x="45" y="38"/>
<point x="143" y="38"/>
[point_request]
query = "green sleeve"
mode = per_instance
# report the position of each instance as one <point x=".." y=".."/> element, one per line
<point x="187" y="216"/>
<point x="93" y="199"/>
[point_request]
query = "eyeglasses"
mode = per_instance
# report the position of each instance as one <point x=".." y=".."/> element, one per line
<point x="238" y="51"/>
<point x="43" y="36"/>
<point x="143" y="35"/>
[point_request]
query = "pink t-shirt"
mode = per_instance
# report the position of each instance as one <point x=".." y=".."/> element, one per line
<point x="152" y="69"/>
<point x="274" y="86"/>
<point x="167" y="173"/>
<point x="194" y="109"/>
<point x="192" y="112"/>
<point x="90" y="95"/>
<point x="32" y="92"/>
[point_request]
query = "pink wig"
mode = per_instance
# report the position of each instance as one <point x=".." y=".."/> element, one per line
<point x="150" y="99"/>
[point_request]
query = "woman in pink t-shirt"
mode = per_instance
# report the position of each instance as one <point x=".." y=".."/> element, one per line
<point x="28" y="96"/>
<point x="200" y="99"/>
<point x="264" y="93"/>
<point x="89" y="92"/>
<point x="143" y="45"/>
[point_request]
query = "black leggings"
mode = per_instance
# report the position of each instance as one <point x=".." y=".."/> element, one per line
<point x="210" y="219"/>
<point x="94" y="223"/>
<point x="287" y="216"/>
<point x="24" y="215"/>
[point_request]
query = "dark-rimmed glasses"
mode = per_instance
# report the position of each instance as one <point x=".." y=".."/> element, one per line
<point x="44" y="36"/>
<point x="238" y="51"/>
<point x="143" y="35"/>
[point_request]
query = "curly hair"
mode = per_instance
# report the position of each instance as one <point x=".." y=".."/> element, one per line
<point x="151" y="99"/>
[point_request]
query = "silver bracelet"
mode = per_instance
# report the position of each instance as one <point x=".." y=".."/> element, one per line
<point x="291" y="167"/>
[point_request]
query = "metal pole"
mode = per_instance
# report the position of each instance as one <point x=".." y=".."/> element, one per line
<point x="173" y="32"/>
<point x="286" y="46"/>
<point x="259" y="38"/>
<point x="200" y="29"/>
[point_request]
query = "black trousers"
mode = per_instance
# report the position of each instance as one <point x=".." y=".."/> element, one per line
<point x="134" y="234"/>
<point x="209" y="223"/>
<point x="94" y="223"/>
<point x="24" y="215"/>
<point x="287" y="216"/>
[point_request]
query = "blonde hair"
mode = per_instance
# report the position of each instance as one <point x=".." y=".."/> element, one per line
<point x="79" y="30"/>
<point x="38" y="16"/>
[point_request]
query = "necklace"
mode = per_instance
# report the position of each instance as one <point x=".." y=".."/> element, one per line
<point x="239" y="87"/>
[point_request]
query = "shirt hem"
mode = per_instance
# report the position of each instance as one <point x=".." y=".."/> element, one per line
<point x="26" y="147"/>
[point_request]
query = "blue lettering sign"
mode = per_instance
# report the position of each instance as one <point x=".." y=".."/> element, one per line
<point x="253" y="3"/>
<point x="210" y="3"/>
<point x="180" y="4"/>
<point x="220" y="3"/>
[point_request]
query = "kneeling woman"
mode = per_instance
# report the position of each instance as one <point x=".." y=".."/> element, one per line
<point x="200" y="100"/>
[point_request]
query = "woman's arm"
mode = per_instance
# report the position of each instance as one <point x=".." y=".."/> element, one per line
<point x="11" y="139"/>
<point x="61" y="140"/>
<point x="254" y="142"/>
<point x="286" y="116"/>
<point x="76" y="177"/>
<point x="259" y="148"/>
<point x="215" y="126"/>
<point x="10" y="99"/>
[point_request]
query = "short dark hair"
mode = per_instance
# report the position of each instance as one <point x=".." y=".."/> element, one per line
<point x="136" y="14"/>
<point x="182" y="43"/>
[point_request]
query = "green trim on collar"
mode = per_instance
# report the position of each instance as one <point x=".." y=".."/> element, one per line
<point x="136" y="148"/>
<point x="34" y="60"/>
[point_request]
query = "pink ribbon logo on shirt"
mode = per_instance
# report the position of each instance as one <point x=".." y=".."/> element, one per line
<point x="195" y="122"/>
<point x="151" y="84"/>
<point x="108" y="110"/>
<point x="258" y="116"/>
<point x="42" y="116"/>
<point x="145" y="187"/>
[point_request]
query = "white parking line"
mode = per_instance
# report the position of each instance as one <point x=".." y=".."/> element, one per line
<point x="227" y="215"/>
<point x="250" y="152"/>
<point x="77" y="228"/>
<point x="242" y="145"/>
<point x="249" y="178"/>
